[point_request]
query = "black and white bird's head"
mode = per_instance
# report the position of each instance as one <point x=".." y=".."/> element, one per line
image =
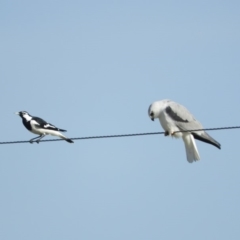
<point x="24" y="115"/>
<point x="156" y="108"/>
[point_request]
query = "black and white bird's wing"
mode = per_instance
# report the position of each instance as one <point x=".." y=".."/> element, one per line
<point x="40" y="123"/>
<point x="50" y="126"/>
<point x="185" y="121"/>
<point x="37" y="123"/>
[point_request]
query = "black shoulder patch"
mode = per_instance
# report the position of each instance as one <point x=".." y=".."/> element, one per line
<point x="174" y="115"/>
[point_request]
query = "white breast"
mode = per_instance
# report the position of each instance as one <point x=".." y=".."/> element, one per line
<point x="169" y="125"/>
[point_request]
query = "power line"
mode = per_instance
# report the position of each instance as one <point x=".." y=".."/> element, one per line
<point x="124" y="135"/>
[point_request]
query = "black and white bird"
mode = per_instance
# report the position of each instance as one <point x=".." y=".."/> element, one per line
<point x="174" y="117"/>
<point x="40" y="127"/>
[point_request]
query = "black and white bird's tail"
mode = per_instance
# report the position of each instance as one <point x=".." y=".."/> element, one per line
<point x="191" y="148"/>
<point x="55" y="133"/>
<point x="66" y="139"/>
<point x="69" y="140"/>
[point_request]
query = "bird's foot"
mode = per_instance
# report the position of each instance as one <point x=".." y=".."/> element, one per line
<point x="166" y="133"/>
<point x="34" y="141"/>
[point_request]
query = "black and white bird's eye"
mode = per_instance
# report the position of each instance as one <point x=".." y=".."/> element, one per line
<point x="151" y="114"/>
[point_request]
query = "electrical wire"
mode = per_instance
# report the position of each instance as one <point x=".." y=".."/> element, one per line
<point x="123" y="135"/>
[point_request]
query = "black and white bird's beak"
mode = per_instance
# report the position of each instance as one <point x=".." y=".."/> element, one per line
<point x="152" y="119"/>
<point x="18" y="113"/>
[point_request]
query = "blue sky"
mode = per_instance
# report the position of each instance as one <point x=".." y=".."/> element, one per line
<point x="93" y="68"/>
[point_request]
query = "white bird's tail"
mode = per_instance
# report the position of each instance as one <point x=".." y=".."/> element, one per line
<point x="191" y="148"/>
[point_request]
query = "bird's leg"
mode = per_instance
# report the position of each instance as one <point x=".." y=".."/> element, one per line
<point x="31" y="140"/>
<point x="42" y="136"/>
<point x="172" y="134"/>
<point x="167" y="133"/>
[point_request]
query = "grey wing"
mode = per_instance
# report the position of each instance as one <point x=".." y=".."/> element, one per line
<point x="186" y="122"/>
<point x="182" y="117"/>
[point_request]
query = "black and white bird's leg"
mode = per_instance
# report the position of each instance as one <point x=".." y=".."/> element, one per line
<point x="31" y="140"/>
<point x="42" y="136"/>
<point x="38" y="138"/>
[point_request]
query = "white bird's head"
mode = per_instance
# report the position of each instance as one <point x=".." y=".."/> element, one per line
<point x="24" y="115"/>
<point x="156" y="108"/>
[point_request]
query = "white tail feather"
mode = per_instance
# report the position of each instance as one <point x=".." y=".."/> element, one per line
<point x="191" y="148"/>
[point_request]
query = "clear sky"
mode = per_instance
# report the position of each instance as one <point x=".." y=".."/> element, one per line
<point x="93" y="68"/>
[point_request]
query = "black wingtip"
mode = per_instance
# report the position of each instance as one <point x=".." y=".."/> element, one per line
<point x="69" y="140"/>
<point x="207" y="140"/>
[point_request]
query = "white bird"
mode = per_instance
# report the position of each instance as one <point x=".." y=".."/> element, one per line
<point x="175" y="117"/>
<point x="38" y="126"/>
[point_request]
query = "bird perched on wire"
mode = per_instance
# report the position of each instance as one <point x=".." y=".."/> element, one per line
<point x="38" y="126"/>
<point x="175" y="117"/>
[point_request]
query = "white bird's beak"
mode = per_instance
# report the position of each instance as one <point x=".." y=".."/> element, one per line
<point x="17" y="113"/>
